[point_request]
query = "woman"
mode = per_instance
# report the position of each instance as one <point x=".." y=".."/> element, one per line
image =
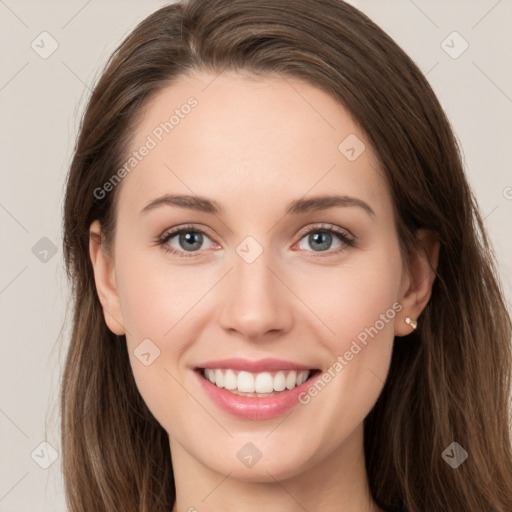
<point x="285" y="298"/>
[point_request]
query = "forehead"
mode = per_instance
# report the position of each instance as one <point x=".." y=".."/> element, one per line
<point x="248" y="141"/>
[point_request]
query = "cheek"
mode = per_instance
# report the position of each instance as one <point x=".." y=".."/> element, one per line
<point x="157" y="296"/>
<point x="161" y="303"/>
<point x="355" y="297"/>
<point x="357" y="305"/>
<point x="155" y="311"/>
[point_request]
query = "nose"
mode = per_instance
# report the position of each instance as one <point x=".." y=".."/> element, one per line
<point x="257" y="305"/>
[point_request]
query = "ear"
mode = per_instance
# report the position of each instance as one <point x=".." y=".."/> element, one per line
<point x="105" y="279"/>
<point x="418" y="280"/>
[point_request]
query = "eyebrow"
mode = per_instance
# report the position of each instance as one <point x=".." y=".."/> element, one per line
<point x="203" y="204"/>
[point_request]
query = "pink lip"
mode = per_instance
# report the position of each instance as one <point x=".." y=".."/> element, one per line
<point x="254" y="408"/>
<point x="262" y="365"/>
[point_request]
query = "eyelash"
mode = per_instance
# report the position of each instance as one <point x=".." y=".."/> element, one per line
<point x="348" y="240"/>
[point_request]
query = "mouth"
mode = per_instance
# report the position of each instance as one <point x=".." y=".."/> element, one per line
<point x="256" y="385"/>
<point x="255" y="390"/>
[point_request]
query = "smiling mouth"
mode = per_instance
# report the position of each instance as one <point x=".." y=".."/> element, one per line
<point x="258" y="385"/>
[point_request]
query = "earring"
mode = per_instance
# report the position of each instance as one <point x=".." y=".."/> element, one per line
<point x="411" y="322"/>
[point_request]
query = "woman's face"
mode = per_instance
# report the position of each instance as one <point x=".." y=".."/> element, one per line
<point x="268" y="280"/>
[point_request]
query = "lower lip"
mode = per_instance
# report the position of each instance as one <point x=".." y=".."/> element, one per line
<point x="254" y="408"/>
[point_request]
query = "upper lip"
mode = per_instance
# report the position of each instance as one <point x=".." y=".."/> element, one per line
<point x="261" y="365"/>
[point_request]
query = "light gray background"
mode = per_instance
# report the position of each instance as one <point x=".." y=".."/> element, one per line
<point x="40" y="102"/>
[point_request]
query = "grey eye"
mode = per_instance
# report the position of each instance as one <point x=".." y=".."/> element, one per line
<point x="188" y="240"/>
<point x="320" y="240"/>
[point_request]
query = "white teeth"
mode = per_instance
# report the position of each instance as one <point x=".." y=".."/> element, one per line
<point x="245" y="382"/>
<point x="279" y="381"/>
<point x="219" y="378"/>
<point x="264" y="383"/>
<point x="256" y="384"/>
<point x="291" y="380"/>
<point x="301" y="378"/>
<point x="230" y="380"/>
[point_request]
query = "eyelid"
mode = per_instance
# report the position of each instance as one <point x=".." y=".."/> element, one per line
<point x="174" y="231"/>
<point x="325" y="227"/>
<point x="346" y="238"/>
<point x="187" y="227"/>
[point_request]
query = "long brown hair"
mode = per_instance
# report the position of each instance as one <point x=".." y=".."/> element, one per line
<point x="450" y="381"/>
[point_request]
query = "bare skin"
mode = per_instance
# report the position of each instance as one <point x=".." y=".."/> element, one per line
<point x="254" y="146"/>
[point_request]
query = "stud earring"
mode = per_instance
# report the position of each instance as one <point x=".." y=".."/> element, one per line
<point x="411" y="322"/>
